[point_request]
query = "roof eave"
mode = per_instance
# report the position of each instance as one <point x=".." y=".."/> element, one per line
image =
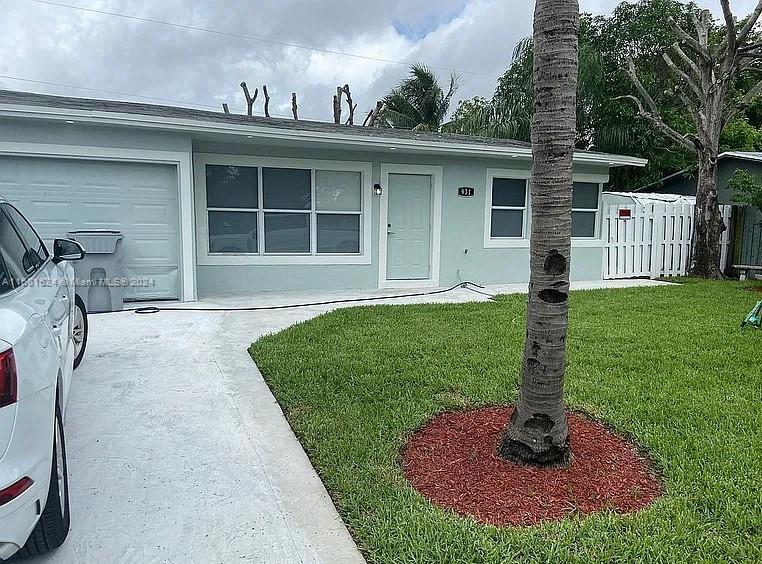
<point x="267" y="132"/>
<point x="754" y="157"/>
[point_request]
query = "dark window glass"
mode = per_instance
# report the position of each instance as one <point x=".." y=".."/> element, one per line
<point x="232" y="232"/>
<point x="36" y="253"/>
<point x="230" y="186"/>
<point x="13" y="250"/>
<point x="286" y="189"/>
<point x="338" y="233"/>
<point x="585" y="196"/>
<point x="510" y="192"/>
<point x="6" y="284"/>
<point x="583" y="224"/>
<point x="287" y="233"/>
<point x="507" y="223"/>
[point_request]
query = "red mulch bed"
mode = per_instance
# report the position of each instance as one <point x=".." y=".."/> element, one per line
<point x="452" y="461"/>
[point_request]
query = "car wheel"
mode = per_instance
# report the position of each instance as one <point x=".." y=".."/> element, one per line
<point x="79" y="330"/>
<point x="53" y="526"/>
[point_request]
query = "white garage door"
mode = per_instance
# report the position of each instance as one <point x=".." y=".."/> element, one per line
<point x="59" y="195"/>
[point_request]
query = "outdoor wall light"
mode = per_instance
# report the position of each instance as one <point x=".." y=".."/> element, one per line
<point x="377" y="190"/>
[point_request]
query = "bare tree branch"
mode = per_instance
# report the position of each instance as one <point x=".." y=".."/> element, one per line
<point x="652" y="114"/>
<point x="728" y="43"/>
<point x="375" y="113"/>
<point x="350" y="119"/>
<point x="688" y="61"/>
<point x="225" y="108"/>
<point x="337" y="104"/>
<point x="684" y="77"/>
<point x="367" y="118"/>
<point x="659" y="123"/>
<point x="701" y="23"/>
<point x="750" y="23"/>
<point x="267" y="100"/>
<point x="689" y="41"/>
<point x="249" y="99"/>
<point x="351" y="105"/>
<point x="294" y="107"/>
<point x="640" y="88"/>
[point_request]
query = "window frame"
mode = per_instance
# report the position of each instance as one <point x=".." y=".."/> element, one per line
<point x="596" y="211"/>
<point x="18" y="284"/>
<point x="263" y="257"/>
<point x="523" y="242"/>
<point x="502" y="242"/>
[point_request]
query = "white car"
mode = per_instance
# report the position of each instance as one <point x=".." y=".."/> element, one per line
<point x="43" y="333"/>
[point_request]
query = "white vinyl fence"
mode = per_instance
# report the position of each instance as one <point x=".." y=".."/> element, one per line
<point x="652" y="240"/>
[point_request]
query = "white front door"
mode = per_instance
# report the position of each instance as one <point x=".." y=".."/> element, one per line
<point x="410" y="226"/>
<point x="408" y="232"/>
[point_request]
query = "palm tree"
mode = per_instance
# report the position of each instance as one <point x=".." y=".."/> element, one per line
<point x="537" y="432"/>
<point x="509" y="114"/>
<point x="419" y="102"/>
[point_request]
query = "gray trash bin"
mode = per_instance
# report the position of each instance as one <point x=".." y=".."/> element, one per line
<point x="100" y="274"/>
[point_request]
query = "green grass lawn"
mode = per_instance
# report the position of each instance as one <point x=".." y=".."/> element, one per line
<point x="667" y="366"/>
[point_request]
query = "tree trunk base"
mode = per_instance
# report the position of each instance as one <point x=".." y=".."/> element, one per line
<point x="708" y="273"/>
<point x="554" y="456"/>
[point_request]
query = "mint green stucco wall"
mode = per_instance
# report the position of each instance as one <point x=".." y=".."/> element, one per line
<point x="462" y="244"/>
<point x="462" y="241"/>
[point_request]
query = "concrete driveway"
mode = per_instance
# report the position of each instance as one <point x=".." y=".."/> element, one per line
<point x="178" y="452"/>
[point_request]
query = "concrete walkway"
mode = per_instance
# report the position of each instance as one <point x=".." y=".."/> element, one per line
<point x="178" y="452"/>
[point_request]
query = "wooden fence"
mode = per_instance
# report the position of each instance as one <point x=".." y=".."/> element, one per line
<point x="652" y="241"/>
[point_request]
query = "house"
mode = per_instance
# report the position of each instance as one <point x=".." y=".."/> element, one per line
<point x="214" y="203"/>
<point x="746" y="221"/>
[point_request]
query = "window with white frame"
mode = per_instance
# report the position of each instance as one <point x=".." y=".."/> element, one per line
<point x="508" y="208"/>
<point x="232" y="201"/>
<point x="283" y="211"/>
<point x="585" y="197"/>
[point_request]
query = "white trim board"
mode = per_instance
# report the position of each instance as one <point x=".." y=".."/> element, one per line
<point x="180" y="159"/>
<point x="436" y="172"/>
<point x="200" y="160"/>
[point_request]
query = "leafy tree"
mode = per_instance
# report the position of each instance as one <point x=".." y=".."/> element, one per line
<point x="746" y="188"/>
<point x="419" y="102"/>
<point x="538" y="432"/>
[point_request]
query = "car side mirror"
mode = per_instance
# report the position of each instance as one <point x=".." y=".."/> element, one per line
<point x="67" y="249"/>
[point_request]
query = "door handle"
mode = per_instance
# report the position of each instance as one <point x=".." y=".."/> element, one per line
<point x="390" y="232"/>
<point x="35" y="320"/>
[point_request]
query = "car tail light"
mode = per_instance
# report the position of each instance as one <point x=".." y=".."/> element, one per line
<point x="13" y="491"/>
<point x="8" y="384"/>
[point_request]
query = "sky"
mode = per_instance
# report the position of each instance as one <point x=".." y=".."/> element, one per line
<point x="261" y="41"/>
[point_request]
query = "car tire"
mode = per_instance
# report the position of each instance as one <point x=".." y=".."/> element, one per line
<point x="53" y="526"/>
<point x="79" y="330"/>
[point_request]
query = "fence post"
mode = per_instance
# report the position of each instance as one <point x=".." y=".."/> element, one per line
<point x="658" y="212"/>
<point x="725" y="239"/>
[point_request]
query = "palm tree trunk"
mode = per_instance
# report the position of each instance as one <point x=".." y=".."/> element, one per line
<point x="537" y="432"/>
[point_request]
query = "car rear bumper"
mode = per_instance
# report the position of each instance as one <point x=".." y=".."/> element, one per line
<point x="29" y="453"/>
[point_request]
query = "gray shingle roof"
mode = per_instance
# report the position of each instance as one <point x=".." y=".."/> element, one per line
<point x="89" y="104"/>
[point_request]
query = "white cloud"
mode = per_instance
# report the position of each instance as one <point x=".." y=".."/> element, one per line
<point x="56" y="44"/>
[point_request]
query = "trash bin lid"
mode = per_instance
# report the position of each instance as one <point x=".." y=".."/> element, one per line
<point x="99" y="241"/>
